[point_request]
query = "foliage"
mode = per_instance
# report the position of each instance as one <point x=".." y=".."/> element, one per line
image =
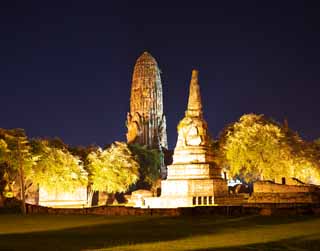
<point x="113" y="169"/>
<point x="18" y="159"/>
<point x="258" y="148"/>
<point x="3" y="150"/>
<point x="56" y="169"/>
<point x="82" y="153"/>
<point x="17" y="151"/>
<point x="305" y="157"/>
<point x="307" y="162"/>
<point x="149" y="161"/>
<point x="3" y="173"/>
<point x="56" y="142"/>
<point x="218" y="154"/>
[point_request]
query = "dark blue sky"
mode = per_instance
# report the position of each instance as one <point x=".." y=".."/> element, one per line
<point x="66" y="66"/>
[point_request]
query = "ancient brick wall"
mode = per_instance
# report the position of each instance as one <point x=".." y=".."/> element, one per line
<point x="269" y="187"/>
<point x="283" y="198"/>
<point x="102" y="210"/>
<point x="246" y="209"/>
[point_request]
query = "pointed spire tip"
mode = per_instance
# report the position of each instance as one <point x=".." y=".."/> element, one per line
<point x="195" y="73"/>
<point x="194" y="103"/>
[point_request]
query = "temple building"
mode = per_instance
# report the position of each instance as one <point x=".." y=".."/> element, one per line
<point x="193" y="178"/>
<point x="146" y="122"/>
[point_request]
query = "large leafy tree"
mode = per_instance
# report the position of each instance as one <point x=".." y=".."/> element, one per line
<point x="307" y="162"/>
<point x="56" y="169"/>
<point x="82" y="153"/>
<point x="149" y="161"/>
<point x="18" y="159"/>
<point x="113" y="169"/>
<point x="258" y="148"/>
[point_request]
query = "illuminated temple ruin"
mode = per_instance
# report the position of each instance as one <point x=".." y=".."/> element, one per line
<point x="193" y="178"/>
<point x="146" y="122"/>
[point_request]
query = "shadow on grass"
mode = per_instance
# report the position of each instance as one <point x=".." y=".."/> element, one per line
<point x="308" y="242"/>
<point x="139" y="231"/>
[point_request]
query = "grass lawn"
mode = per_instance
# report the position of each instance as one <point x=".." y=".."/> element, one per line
<point x="49" y="232"/>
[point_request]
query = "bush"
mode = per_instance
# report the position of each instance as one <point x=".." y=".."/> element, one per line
<point x="11" y="205"/>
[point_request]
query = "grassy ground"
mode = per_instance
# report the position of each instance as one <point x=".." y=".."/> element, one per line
<point x="39" y="232"/>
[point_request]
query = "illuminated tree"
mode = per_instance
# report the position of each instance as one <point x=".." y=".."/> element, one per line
<point x="82" y="153"/>
<point x="112" y="170"/>
<point x="304" y="157"/>
<point x="307" y="162"/>
<point x="56" y="169"/>
<point x="19" y="159"/>
<point x="258" y="148"/>
<point x="3" y="155"/>
<point x="3" y="150"/>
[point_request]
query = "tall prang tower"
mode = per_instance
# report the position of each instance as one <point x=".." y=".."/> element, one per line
<point x="146" y="122"/>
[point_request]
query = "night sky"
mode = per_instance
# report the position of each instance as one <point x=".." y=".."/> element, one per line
<point x="66" y="66"/>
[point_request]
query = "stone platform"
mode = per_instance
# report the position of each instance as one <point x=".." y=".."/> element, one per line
<point x="188" y="193"/>
<point x="194" y="187"/>
<point x="193" y="171"/>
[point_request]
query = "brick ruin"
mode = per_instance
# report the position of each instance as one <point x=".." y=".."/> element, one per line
<point x="146" y="121"/>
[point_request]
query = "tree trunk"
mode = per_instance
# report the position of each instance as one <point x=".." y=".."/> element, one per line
<point x="22" y="191"/>
<point x="90" y="196"/>
<point x="111" y="198"/>
<point x="22" y="185"/>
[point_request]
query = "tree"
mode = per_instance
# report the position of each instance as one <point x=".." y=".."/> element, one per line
<point x="82" y="153"/>
<point x="112" y="170"/>
<point x="56" y="169"/>
<point x="19" y="159"/>
<point x="3" y="155"/>
<point x="149" y="162"/>
<point x="258" y="148"/>
<point x="3" y="150"/>
<point x="304" y="157"/>
<point x="307" y="162"/>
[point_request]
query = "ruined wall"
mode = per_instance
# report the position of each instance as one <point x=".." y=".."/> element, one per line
<point x="269" y="187"/>
<point x="248" y="209"/>
<point x="279" y="198"/>
<point x="102" y="210"/>
<point x="269" y="192"/>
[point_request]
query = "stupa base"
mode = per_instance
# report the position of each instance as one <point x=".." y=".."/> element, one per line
<point x="188" y="193"/>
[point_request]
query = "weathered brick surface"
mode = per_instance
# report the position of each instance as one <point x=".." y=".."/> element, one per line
<point x="269" y="187"/>
<point x="246" y="209"/>
<point x="232" y="199"/>
<point x="146" y="122"/>
<point x="284" y="198"/>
